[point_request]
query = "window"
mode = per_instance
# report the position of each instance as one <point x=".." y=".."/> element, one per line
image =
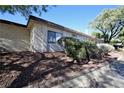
<point x="58" y="36"/>
<point x="53" y="36"/>
<point x="73" y="35"/>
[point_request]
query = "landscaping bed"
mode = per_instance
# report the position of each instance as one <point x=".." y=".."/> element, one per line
<point x="28" y="69"/>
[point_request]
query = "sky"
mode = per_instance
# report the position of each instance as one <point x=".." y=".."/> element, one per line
<point x="74" y="17"/>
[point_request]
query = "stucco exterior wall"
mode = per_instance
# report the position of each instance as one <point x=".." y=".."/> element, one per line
<point x="39" y="38"/>
<point x="54" y="46"/>
<point x="14" y="38"/>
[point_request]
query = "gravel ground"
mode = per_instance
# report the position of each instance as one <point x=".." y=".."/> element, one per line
<point x="108" y="76"/>
<point x="27" y="69"/>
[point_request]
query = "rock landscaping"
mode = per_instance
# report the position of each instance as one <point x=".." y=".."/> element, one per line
<point x="28" y="69"/>
<point x="111" y="75"/>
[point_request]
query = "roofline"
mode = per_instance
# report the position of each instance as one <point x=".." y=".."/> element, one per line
<point x="44" y="21"/>
<point x="12" y="23"/>
<point x="56" y="25"/>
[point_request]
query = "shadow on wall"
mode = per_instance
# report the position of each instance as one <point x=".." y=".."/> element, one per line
<point x="3" y="50"/>
<point x="38" y="41"/>
<point x="13" y="45"/>
<point x="41" y="45"/>
<point x="54" y="47"/>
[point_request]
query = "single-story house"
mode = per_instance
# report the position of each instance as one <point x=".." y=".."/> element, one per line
<point x="38" y="35"/>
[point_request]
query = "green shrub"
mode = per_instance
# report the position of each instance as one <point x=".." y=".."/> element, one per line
<point x="92" y="49"/>
<point x="115" y="41"/>
<point x="73" y="48"/>
<point x="105" y="48"/>
<point x="79" y="50"/>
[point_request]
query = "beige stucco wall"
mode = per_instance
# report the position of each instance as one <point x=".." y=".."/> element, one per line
<point x="33" y="37"/>
<point x="39" y="38"/>
<point x="14" y="38"/>
<point x="39" y="42"/>
<point x="39" y="34"/>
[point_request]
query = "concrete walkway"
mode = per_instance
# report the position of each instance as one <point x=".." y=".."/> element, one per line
<point x="121" y="57"/>
<point x="109" y="76"/>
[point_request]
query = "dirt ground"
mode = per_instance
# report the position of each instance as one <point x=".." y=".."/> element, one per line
<point x="22" y="69"/>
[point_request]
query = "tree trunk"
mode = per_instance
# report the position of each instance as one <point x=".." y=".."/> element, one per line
<point x="87" y="54"/>
<point x="106" y="40"/>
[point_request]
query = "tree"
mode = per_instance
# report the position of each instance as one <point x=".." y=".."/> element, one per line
<point x="24" y="10"/>
<point x="97" y="35"/>
<point x="110" y="22"/>
<point x="121" y="36"/>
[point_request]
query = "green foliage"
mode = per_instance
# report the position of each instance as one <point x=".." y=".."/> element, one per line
<point x="24" y="10"/>
<point x="115" y="41"/>
<point x="79" y="50"/>
<point x="105" y="48"/>
<point x="109" y="22"/>
<point x="122" y="32"/>
<point x="97" y="34"/>
<point x="92" y="49"/>
<point x="121" y="35"/>
<point x="73" y="47"/>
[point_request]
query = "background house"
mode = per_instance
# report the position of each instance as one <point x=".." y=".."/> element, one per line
<point x="38" y="35"/>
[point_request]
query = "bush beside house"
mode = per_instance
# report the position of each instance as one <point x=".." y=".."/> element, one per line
<point x="80" y="50"/>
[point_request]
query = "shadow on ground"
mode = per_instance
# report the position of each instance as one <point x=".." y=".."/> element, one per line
<point x="109" y="76"/>
<point x="27" y="69"/>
